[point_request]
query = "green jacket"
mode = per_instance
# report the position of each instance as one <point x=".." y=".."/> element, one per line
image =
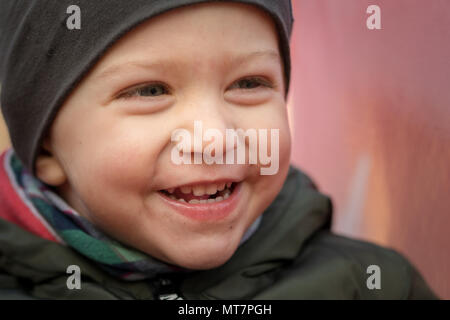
<point x="292" y="255"/>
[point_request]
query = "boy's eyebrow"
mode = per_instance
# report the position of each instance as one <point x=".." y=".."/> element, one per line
<point x="168" y="63"/>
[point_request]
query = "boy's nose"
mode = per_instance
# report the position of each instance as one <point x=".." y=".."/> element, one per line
<point x="207" y="121"/>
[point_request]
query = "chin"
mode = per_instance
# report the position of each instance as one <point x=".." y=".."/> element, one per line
<point x="204" y="257"/>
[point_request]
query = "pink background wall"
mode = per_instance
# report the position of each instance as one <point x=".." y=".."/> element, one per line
<point x="371" y="122"/>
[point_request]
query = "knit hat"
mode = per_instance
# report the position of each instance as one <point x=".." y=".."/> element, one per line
<point x="42" y="60"/>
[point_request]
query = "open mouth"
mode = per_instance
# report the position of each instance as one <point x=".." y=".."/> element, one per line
<point x="200" y="194"/>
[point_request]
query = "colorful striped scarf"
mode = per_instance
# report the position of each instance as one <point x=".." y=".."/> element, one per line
<point x="77" y="232"/>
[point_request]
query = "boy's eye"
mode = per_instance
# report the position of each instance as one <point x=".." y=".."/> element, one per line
<point x="251" y="83"/>
<point x="157" y="89"/>
<point x="149" y="90"/>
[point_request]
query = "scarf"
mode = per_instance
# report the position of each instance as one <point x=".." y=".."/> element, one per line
<point x="71" y="229"/>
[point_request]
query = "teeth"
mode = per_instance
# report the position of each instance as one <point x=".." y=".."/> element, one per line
<point x="211" y="189"/>
<point x="186" y="190"/>
<point x="195" y="201"/>
<point x="199" y="190"/>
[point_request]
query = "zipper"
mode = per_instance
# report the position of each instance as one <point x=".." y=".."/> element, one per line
<point x="166" y="289"/>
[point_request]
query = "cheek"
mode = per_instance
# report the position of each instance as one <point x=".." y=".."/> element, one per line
<point x="115" y="156"/>
<point x="274" y="116"/>
<point x="271" y="117"/>
<point x="123" y="164"/>
<point x="112" y="177"/>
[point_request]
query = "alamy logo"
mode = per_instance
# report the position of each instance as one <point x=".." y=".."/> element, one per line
<point x="74" y="280"/>
<point x="73" y="22"/>
<point x="234" y="141"/>
<point x="374" y="280"/>
<point x="374" y="20"/>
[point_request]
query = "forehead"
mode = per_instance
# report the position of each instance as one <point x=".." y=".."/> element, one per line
<point x="196" y="33"/>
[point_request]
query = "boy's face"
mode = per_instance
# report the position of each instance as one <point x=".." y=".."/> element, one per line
<point x="112" y="138"/>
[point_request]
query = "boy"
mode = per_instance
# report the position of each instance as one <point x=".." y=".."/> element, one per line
<point x="91" y="185"/>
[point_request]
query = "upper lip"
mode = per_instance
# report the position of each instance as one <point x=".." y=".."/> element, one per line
<point x="203" y="182"/>
<point x="202" y="176"/>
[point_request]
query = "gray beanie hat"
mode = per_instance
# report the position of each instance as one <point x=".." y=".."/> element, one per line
<point x="41" y="61"/>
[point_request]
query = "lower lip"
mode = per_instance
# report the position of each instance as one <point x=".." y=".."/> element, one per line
<point x="206" y="211"/>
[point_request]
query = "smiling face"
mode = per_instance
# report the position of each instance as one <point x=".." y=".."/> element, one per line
<point x="110" y="144"/>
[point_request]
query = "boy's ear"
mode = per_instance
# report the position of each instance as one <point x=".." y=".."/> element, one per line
<point x="48" y="168"/>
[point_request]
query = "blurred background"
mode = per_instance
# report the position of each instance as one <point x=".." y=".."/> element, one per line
<point x="371" y="120"/>
<point x="370" y="114"/>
